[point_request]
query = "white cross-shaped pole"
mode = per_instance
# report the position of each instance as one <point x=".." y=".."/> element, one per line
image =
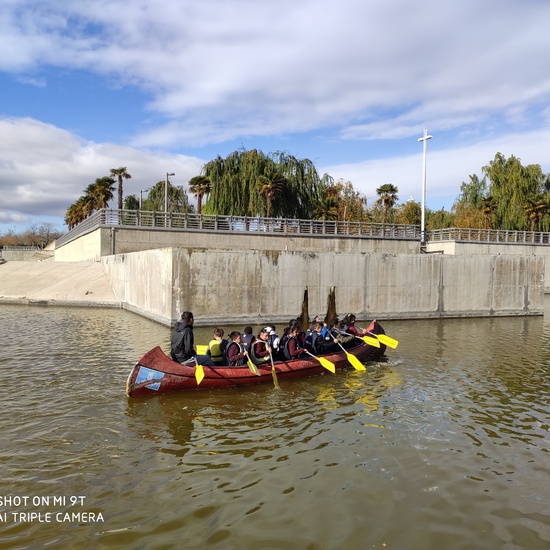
<point x="424" y="140"/>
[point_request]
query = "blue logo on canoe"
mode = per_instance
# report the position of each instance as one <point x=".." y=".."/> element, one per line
<point x="145" y="374"/>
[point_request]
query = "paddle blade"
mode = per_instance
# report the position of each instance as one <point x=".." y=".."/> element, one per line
<point x="371" y="341"/>
<point x="356" y="364"/>
<point x="275" y="381"/>
<point x="273" y="373"/>
<point x="253" y="368"/>
<point x="387" y="340"/>
<point x="199" y="373"/>
<point x="329" y="365"/>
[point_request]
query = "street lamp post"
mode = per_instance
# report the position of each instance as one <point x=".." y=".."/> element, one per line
<point x="166" y="190"/>
<point x="424" y="139"/>
<point x="141" y="196"/>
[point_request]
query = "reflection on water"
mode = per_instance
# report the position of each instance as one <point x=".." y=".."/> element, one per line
<point x="444" y="446"/>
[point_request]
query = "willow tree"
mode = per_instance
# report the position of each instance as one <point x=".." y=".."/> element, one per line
<point x="511" y="185"/>
<point x="178" y="201"/>
<point x="303" y="187"/>
<point x="235" y="189"/>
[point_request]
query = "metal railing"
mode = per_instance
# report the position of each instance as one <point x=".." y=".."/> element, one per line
<point x="502" y="236"/>
<point x="21" y="247"/>
<point x="178" y="221"/>
<point x="209" y="222"/>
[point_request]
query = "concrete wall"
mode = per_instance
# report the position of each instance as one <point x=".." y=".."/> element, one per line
<point x="493" y="249"/>
<point x="88" y="248"/>
<point x="25" y="255"/>
<point x="240" y="286"/>
<point x="143" y="282"/>
<point x="107" y="241"/>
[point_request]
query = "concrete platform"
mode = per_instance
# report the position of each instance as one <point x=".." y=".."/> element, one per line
<point x="51" y="283"/>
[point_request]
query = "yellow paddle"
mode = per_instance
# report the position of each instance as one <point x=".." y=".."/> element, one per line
<point x="199" y="371"/>
<point x="253" y="368"/>
<point x="329" y="365"/>
<point x="367" y="339"/>
<point x="355" y="363"/>
<point x="273" y="373"/>
<point x="385" y="339"/>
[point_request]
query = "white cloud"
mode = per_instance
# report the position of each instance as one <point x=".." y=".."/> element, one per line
<point x="280" y="66"/>
<point x="446" y="167"/>
<point x="44" y="169"/>
<point x="475" y="73"/>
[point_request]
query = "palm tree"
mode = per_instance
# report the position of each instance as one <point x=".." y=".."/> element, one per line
<point x="200" y="186"/>
<point x="387" y="197"/>
<point x="78" y="212"/>
<point x="98" y="194"/>
<point x="120" y="173"/>
<point x="72" y="216"/>
<point x="535" y="207"/>
<point x="326" y="207"/>
<point x="270" y="185"/>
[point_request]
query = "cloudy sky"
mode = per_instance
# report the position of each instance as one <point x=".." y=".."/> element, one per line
<point x="86" y="86"/>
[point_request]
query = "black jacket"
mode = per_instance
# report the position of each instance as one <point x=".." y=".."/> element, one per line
<point x="183" y="342"/>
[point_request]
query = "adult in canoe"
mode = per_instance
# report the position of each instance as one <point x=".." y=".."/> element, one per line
<point x="183" y="343"/>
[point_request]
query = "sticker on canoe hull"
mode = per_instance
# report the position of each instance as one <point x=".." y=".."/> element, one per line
<point x="145" y="374"/>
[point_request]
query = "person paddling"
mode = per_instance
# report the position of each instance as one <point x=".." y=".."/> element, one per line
<point x="260" y="351"/>
<point x="235" y="352"/>
<point x="293" y="348"/>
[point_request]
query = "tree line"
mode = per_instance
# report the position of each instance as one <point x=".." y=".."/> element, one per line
<point x="251" y="183"/>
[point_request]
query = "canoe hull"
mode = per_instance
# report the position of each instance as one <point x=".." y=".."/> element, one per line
<point x="155" y="373"/>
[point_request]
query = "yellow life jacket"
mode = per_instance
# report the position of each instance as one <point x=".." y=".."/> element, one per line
<point x="216" y="351"/>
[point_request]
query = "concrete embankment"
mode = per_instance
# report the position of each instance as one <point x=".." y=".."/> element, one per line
<point x="223" y="286"/>
<point x="51" y="283"/>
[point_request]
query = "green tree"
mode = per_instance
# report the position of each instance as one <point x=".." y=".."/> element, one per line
<point x="352" y="205"/>
<point x="270" y="185"/>
<point x="467" y="207"/>
<point x="97" y="195"/>
<point x="439" y="219"/>
<point x="131" y="202"/>
<point x="235" y="189"/>
<point x="120" y="174"/>
<point x="472" y="192"/>
<point x="387" y="197"/>
<point x="535" y="207"/>
<point x="511" y="184"/>
<point x="200" y="186"/>
<point x="488" y="207"/>
<point x="409" y="213"/>
<point x="328" y="203"/>
<point x="178" y="201"/>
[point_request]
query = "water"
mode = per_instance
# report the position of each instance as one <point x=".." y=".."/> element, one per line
<point x="444" y="446"/>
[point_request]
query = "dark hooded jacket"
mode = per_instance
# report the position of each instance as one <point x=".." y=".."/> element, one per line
<point x="182" y="342"/>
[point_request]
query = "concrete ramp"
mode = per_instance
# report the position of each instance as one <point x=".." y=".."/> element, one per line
<point x="51" y="283"/>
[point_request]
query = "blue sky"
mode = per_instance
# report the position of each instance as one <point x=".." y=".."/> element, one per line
<point x="86" y="86"/>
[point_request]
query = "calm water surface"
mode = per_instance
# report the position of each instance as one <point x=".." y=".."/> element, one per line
<point x="444" y="446"/>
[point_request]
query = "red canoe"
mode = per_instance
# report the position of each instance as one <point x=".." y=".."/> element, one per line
<point x="156" y="373"/>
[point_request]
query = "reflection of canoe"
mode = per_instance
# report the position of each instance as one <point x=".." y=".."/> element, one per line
<point x="156" y="373"/>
